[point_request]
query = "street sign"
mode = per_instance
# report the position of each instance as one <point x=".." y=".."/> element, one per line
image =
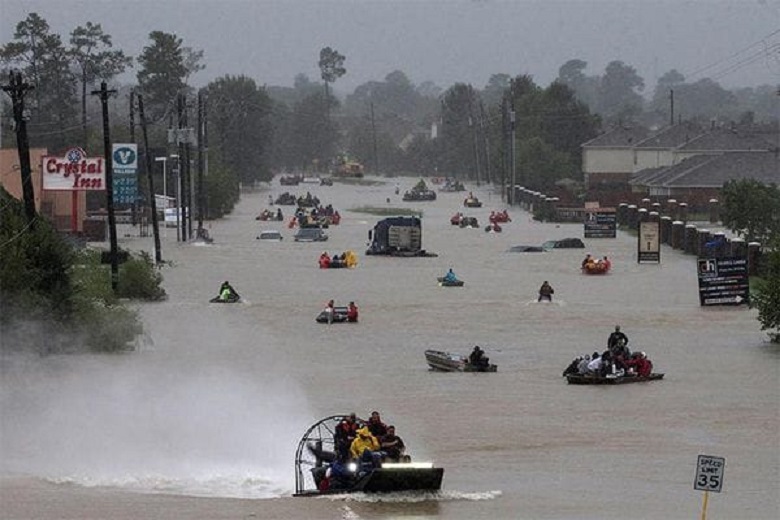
<point x="709" y="473"/>
<point x="649" y="244"/>
<point x="125" y="172"/>
<point x="723" y="281"/>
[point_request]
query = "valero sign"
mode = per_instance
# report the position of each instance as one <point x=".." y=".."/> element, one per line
<point x="74" y="172"/>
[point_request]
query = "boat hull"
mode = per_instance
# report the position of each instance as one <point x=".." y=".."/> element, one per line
<point x="576" y="379"/>
<point x="446" y="362"/>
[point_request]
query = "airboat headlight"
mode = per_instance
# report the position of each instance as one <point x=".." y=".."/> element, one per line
<point x="407" y="465"/>
<point x="352" y="467"/>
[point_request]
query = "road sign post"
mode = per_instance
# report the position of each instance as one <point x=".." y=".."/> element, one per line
<point x="709" y="477"/>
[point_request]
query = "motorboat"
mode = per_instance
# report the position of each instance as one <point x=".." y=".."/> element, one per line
<point x="339" y="315"/>
<point x="611" y="379"/>
<point x="442" y="361"/>
<point x="316" y="452"/>
<point x="472" y="202"/>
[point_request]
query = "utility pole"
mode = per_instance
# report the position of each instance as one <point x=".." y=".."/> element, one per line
<point x="104" y="93"/>
<point x="473" y="127"/>
<point x="150" y="181"/>
<point x="671" y="104"/>
<point x="134" y="206"/>
<point x="182" y="191"/>
<point x="513" y="166"/>
<point x="373" y="131"/>
<point x="485" y="139"/>
<point x="17" y="90"/>
<point x="188" y="171"/>
<point x="200" y="162"/>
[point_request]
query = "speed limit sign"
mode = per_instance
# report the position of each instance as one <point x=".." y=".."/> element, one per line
<point x="709" y="473"/>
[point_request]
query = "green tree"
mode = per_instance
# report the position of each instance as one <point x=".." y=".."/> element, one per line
<point x="316" y="136"/>
<point x="240" y="127"/>
<point x="165" y="66"/>
<point x="618" y="100"/>
<point x="90" y="49"/>
<point x="766" y="298"/>
<point x="585" y="87"/>
<point x="457" y="139"/>
<point x="44" y="62"/>
<point x="752" y="209"/>
<point x="331" y="68"/>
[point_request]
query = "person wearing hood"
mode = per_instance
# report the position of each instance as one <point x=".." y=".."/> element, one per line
<point x="546" y="291"/>
<point x="365" y="448"/>
<point x="582" y="366"/>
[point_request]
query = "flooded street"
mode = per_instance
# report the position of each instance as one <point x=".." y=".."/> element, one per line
<point x="203" y="421"/>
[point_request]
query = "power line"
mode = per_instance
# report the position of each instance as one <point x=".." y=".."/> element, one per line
<point x="718" y="62"/>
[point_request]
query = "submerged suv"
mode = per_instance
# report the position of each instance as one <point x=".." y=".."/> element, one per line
<point x="310" y="235"/>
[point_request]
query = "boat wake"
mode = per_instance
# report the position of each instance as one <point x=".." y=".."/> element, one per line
<point x="214" y="486"/>
<point x="414" y="496"/>
<point x="557" y="303"/>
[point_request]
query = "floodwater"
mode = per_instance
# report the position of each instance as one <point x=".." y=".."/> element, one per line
<point x="202" y="421"/>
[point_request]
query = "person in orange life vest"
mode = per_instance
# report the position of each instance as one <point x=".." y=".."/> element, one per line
<point x="352" y="312"/>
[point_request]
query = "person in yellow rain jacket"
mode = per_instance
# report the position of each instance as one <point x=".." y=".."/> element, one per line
<point x="365" y="448"/>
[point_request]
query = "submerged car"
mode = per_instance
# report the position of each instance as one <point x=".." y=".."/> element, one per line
<point x="565" y="243"/>
<point x="309" y="234"/>
<point x="271" y="234"/>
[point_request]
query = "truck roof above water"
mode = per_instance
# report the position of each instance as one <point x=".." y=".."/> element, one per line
<point x="397" y="236"/>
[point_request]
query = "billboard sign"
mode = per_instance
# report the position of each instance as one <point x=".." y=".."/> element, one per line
<point x="125" y="173"/>
<point x="649" y="244"/>
<point x="73" y="172"/>
<point x="601" y="224"/>
<point x="723" y="281"/>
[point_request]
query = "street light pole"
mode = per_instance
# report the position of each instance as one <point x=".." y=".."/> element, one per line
<point x="179" y="233"/>
<point x="164" y="161"/>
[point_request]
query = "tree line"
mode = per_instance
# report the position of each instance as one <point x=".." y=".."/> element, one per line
<point x="392" y="126"/>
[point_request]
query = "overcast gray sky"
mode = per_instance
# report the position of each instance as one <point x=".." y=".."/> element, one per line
<point x="736" y="42"/>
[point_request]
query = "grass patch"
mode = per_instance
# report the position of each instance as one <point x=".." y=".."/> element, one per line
<point x="387" y="212"/>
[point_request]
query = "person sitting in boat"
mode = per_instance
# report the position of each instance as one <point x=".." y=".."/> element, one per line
<point x="345" y="433"/>
<point x="450" y="276"/>
<point x="338" y="475"/>
<point x="594" y="367"/>
<point x="587" y="261"/>
<point x="606" y="263"/>
<point x="352" y="312"/>
<point x="365" y="448"/>
<point x="324" y="260"/>
<point x="337" y="261"/>
<point x="640" y="364"/>
<point x="330" y="310"/>
<point x="573" y="367"/>
<point x="477" y="358"/>
<point x="226" y="292"/>
<point x="279" y="215"/>
<point x="392" y="445"/>
<point x="546" y="291"/>
<point x="375" y="425"/>
<point x="616" y="337"/>
<point x="582" y="366"/>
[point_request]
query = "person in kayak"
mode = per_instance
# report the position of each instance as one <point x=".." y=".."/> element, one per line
<point x="546" y="291"/>
<point x="227" y="293"/>
<point x="450" y="276"/>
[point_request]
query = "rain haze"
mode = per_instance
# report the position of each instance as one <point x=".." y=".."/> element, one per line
<point x="732" y="42"/>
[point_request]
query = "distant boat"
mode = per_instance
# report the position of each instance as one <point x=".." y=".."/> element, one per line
<point x="448" y="362"/>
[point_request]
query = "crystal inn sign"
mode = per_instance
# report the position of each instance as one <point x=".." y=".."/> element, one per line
<point x="74" y="172"/>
